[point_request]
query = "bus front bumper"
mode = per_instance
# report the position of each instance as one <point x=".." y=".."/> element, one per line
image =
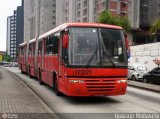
<point x="96" y="86"/>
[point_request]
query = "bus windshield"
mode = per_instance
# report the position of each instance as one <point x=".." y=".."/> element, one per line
<point x="96" y="47"/>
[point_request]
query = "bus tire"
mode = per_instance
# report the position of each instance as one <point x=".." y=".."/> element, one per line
<point x="29" y="72"/>
<point x="58" y="93"/>
<point x="40" y="78"/>
<point x="22" y="70"/>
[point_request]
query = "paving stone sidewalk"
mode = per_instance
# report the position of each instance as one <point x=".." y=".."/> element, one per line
<point x="16" y="99"/>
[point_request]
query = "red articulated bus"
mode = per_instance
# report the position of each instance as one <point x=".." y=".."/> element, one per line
<point x="81" y="59"/>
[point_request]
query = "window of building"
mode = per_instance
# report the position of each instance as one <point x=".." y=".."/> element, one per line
<point x="54" y="5"/>
<point x="78" y="0"/>
<point x="54" y="11"/>
<point x="123" y="5"/>
<point x="85" y="3"/>
<point x="78" y="14"/>
<point x="85" y="12"/>
<point x="67" y="4"/>
<point x="85" y="19"/>
<point x="78" y="6"/>
<point x="78" y="20"/>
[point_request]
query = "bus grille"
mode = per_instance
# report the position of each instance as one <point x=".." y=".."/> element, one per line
<point x="100" y="85"/>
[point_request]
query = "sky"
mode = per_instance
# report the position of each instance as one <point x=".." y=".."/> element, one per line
<point x="6" y="9"/>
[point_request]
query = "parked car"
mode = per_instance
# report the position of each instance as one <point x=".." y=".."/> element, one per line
<point x="153" y="76"/>
<point x="4" y="63"/>
<point x="15" y="64"/>
<point x="136" y="72"/>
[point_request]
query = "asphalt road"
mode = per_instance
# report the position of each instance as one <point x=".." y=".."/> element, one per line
<point x="135" y="101"/>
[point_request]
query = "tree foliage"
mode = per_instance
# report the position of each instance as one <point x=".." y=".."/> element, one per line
<point x="6" y="58"/>
<point x="107" y="18"/>
<point x="155" y="26"/>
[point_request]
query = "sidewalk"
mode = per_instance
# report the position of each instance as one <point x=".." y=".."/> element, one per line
<point x="17" y="100"/>
<point x="146" y="86"/>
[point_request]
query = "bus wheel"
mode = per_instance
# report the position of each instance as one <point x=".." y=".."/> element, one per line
<point x="58" y="93"/>
<point x="22" y="70"/>
<point x="40" y="78"/>
<point x="29" y="72"/>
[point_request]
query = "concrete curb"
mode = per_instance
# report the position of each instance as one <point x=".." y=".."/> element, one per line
<point x="145" y="86"/>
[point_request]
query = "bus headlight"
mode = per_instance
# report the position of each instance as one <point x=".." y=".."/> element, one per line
<point x="76" y="81"/>
<point x="122" y="81"/>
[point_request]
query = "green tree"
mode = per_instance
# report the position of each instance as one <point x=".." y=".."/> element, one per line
<point x="107" y="18"/>
<point x="155" y="29"/>
<point x="6" y="58"/>
<point x="155" y="26"/>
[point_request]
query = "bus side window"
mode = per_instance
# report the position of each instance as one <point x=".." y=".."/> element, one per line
<point x="39" y="47"/>
<point x="33" y="49"/>
<point x="47" y="46"/>
<point x="30" y="50"/>
<point x="50" y="45"/>
<point x="55" y="45"/>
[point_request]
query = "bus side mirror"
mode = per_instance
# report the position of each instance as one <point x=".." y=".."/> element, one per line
<point x="127" y="45"/>
<point x="65" y="40"/>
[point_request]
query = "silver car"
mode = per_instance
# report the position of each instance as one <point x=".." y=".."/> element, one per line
<point x="136" y="72"/>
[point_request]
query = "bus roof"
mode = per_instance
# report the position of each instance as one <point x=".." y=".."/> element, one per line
<point x="93" y="25"/>
<point x="65" y="25"/>
<point x="33" y="40"/>
<point x="22" y="44"/>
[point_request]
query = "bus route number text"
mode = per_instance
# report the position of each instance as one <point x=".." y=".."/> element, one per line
<point x="82" y="72"/>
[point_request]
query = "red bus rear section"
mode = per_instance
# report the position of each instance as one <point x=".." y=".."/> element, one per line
<point x="22" y="57"/>
<point x="79" y="59"/>
<point x="31" y="58"/>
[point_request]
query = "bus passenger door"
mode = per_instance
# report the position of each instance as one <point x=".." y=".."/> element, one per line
<point x="63" y="60"/>
<point x="44" y="61"/>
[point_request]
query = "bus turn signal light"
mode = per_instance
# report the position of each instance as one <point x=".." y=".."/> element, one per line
<point x="76" y="81"/>
<point x="122" y="81"/>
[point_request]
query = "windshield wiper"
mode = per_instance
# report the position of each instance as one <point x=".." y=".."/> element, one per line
<point x="108" y="56"/>
<point x="92" y="57"/>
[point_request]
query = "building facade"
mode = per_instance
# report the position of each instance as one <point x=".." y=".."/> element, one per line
<point x="88" y="10"/>
<point x="39" y="17"/>
<point x="142" y="14"/>
<point x="8" y="35"/>
<point x="134" y="13"/>
<point x="19" y="26"/>
<point x="11" y="36"/>
<point x="149" y="11"/>
<point x="14" y="32"/>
